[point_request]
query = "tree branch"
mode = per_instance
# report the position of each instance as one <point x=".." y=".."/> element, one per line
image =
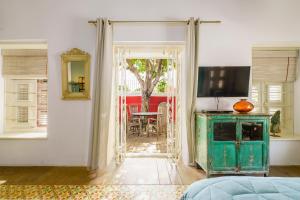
<point x="158" y="75"/>
<point x="152" y="64"/>
<point x="135" y="72"/>
<point x="148" y="78"/>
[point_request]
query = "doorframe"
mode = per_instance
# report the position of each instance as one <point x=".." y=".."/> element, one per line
<point x="149" y="45"/>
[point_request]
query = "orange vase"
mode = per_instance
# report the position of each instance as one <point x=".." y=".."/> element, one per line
<point x="243" y="106"/>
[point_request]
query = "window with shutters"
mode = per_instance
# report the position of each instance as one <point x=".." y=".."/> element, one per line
<point x="22" y="114"/>
<point x="22" y="92"/>
<point x="26" y="90"/>
<point x="270" y="97"/>
<point x="26" y="105"/>
<point x="273" y="74"/>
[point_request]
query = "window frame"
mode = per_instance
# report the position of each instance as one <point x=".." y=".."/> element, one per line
<point x="286" y="105"/>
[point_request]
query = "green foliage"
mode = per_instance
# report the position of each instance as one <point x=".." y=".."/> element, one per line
<point x="147" y="70"/>
<point x="275" y="122"/>
<point x="150" y="73"/>
<point x="141" y="66"/>
<point x="161" y="86"/>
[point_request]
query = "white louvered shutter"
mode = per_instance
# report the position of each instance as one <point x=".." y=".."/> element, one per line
<point x="256" y="97"/>
<point x="274" y="93"/>
<point x="271" y="97"/>
<point x="274" y="100"/>
<point x="21" y="105"/>
<point x="280" y="97"/>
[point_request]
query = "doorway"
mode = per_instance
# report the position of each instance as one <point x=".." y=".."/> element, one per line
<point x="148" y="86"/>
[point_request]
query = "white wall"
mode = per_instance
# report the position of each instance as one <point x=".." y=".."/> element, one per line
<point x="284" y="152"/>
<point x="64" y="25"/>
<point x="1" y="96"/>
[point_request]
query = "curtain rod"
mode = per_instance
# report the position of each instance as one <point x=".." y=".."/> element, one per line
<point x="155" y="21"/>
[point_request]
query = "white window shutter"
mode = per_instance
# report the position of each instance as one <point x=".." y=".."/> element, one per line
<point x="21" y="105"/>
<point x="274" y="93"/>
<point x="12" y="90"/>
<point x="23" y="92"/>
<point x="22" y="114"/>
<point x="255" y="93"/>
<point x="256" y="96"/>
<point x="271" y="97"/>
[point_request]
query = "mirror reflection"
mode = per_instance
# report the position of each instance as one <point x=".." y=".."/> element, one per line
<point x="75" y="72"/>
<point x="76" y="79"/>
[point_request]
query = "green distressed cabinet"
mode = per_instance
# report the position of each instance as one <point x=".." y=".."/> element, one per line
<point x="232" y="143"/>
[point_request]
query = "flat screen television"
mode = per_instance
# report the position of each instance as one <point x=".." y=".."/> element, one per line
<point x="231" y="81"/>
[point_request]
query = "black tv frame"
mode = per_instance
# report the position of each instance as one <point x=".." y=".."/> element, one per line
<point x="217" y="96"/>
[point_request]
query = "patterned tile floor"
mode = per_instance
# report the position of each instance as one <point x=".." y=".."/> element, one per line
<point x="91" y="192"/>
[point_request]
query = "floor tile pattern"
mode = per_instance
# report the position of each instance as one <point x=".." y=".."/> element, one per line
<point x="91" y="192"/>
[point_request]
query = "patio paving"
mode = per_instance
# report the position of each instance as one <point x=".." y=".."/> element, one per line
<point x="144" y="144"/>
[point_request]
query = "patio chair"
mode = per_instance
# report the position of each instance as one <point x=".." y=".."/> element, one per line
<point x="151" y="126"/>
<point x="158" y="125"/>
<point x="162" y="119"/>
<point x="133" y="123"/>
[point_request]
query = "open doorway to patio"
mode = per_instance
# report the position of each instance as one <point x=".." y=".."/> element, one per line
<point x="148" y="100"/>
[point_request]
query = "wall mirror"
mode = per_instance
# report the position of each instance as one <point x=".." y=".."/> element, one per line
<point x="75" y="75"/>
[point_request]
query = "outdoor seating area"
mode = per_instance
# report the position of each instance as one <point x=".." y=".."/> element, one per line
<point x="146" y="130"/>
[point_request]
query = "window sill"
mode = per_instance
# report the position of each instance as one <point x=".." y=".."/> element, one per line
<point x="32" y="135"/>
<point x="286" y="138"/>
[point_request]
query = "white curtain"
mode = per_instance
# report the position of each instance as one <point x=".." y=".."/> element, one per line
<point x="103" y="116"/>
<point x="191" y="85"/>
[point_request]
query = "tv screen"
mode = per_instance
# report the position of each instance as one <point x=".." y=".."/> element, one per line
<point x="223" y="81"/>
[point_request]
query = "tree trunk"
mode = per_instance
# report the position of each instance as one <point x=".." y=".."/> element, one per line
<point x="145" y="102"/>
<point x="150" y="81"/>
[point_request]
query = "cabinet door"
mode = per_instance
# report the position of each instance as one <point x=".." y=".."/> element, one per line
<point x="201" y="141"/>
<point x="223" y="145"/>
<point x="251" y="151"/>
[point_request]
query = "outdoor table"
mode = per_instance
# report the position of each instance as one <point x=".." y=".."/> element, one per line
<point x="144" y="115"/>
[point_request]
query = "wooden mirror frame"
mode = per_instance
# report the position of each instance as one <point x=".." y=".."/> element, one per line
<point x="75" y="54"/>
